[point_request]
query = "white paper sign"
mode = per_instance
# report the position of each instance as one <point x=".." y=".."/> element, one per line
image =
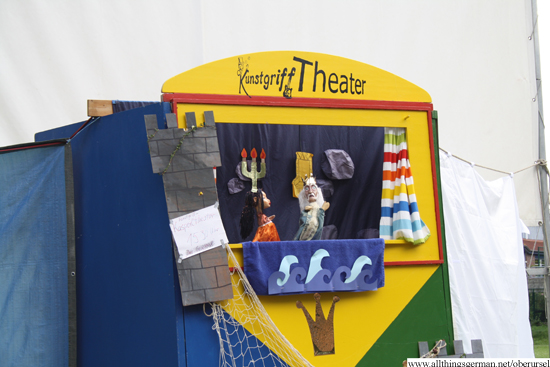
<point x="198" y="232"/>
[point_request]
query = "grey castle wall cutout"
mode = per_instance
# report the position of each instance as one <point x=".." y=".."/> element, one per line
<point x="189" y="185"/>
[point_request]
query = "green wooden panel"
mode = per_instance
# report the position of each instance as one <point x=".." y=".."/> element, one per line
<point x="424" y="319"/>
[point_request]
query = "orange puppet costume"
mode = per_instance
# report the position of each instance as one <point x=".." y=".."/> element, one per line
<point x="266" y="232"/>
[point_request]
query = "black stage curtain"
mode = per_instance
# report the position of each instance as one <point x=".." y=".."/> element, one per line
<point x="355" y="204"/>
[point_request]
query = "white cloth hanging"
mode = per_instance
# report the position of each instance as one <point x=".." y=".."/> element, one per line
<point x="486" y="263"/>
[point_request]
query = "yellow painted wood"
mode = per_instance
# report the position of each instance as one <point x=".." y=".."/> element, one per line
<point x="268" y="73"/>
<point x="300" y="115"/>
<point x="360" y="318"/>
<point x="237" y="246"/>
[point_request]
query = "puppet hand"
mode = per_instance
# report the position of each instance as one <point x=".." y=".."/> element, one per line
<point x="326" y="205"/>
<point x="308" y="208"/>
<point x="269" y="219"/>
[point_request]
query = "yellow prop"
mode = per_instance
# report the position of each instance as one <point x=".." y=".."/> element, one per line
<point x="304" y="166"/>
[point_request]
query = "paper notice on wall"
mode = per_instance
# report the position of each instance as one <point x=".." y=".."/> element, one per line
<point x="198" y="232"/>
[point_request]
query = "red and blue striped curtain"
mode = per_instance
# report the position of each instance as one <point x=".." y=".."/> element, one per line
<point x="400" y="218"/>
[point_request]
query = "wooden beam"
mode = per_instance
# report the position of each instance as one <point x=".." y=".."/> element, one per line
<point x="98" y="107"/>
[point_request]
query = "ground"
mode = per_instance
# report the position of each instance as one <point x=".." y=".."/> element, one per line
<point x="540" y="340"/>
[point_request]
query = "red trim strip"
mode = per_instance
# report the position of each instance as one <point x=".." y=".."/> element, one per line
<point x="293" y="102"/>
<point x="38" y="145"/>
<point x="81" y="127"/>
<point x="389" y="263"/>
<point x="421" y="262"/>
<point x="435" y="186"/>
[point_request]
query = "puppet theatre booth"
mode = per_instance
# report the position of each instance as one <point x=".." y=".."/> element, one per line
<point x="336" y="160"/>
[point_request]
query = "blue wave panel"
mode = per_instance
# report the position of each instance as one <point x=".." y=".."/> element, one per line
<point x="333" y="265"/>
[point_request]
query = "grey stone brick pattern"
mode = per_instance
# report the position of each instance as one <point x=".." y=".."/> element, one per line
<point x="189" y="185"/>
<point x="190" y="171"/>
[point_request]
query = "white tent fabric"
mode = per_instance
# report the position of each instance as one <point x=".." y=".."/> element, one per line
<point x="475" y="58"/>
<point x="486" y="262"/>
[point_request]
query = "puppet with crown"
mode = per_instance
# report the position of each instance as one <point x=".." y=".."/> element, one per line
<point x="255" y="203"/>
<point x="312" y="208"/>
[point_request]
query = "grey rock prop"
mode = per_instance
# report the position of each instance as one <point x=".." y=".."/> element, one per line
<point x="330" y="232"/>
<point x="368" y="233"/>
<point x="235" y="185"/>
<point x="337" y="164"/>
<point x="326" y="186"/>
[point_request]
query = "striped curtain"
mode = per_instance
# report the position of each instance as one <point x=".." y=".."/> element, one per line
<point x="400" y="218"/>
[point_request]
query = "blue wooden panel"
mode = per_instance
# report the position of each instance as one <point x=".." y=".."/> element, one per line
<point x="203" y="348"/>
<point x="129" y="310"/>
<point x="129" y="305"/>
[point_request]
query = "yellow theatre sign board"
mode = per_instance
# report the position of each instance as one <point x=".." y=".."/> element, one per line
<point x="304" y="88"/>
<point x="292" y="74"/>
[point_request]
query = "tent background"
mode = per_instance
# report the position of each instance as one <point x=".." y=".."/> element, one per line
<point x="474" y="58"/>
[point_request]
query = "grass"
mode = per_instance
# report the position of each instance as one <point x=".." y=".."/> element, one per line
<point x="540" y="340"/>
